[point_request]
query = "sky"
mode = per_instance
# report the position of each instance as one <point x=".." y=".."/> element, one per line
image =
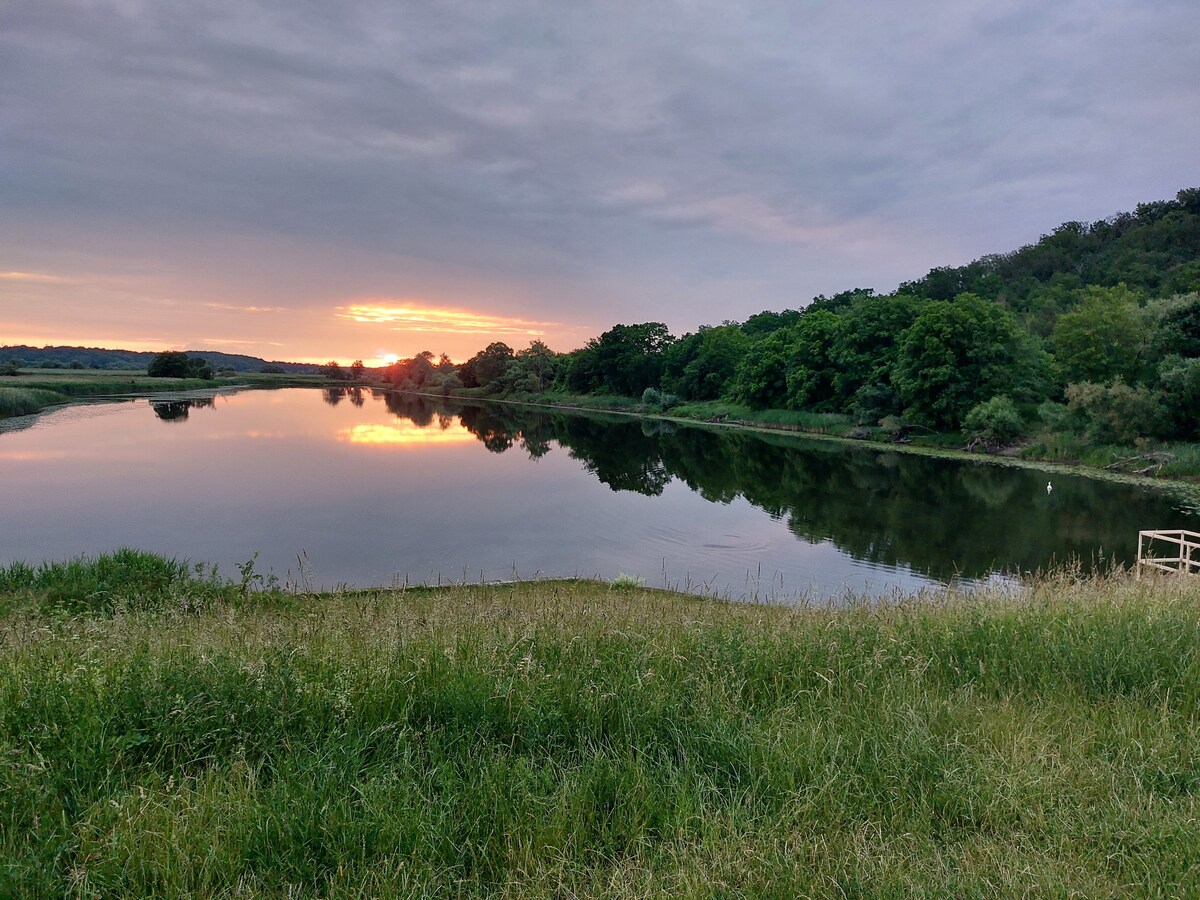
<point x="306" y="180"/>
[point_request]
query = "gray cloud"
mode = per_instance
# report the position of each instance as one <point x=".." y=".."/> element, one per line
<point x="688" y="161"/>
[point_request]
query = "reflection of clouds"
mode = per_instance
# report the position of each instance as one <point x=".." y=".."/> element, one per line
<point x="33" y="455"/>
<point x="405" y="434"/>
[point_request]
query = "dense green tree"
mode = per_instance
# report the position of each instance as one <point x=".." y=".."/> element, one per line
<point x="1177" y="331"/>
<point x="531" y="370"/>
<point x="1179" y="379"/>
<point x="866" y="348"/>
<point x="760" y="380"/>
<point x="811" y="370"/>
<point x="332" y="370"/>
<point x="960" y="352"/>
<point x="700" y="366"/>
<point x="626" y="359"/>
<point x="487" y="367"/>
<point x="170" y="364"/>
<point x="1101" y="339"/>
<point x="764" y="323"/>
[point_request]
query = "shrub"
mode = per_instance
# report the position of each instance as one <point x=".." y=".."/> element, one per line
<point x="994" y="421"/>
<point x="1116" y="412"/>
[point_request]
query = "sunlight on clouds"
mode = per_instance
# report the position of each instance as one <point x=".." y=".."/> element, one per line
<point x="249" y="309"/>
<point x="406" y="434"/>
<point x="40" y="277"/>
<point x="452" y="321"/>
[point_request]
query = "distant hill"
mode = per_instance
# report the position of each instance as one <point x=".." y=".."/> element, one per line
<point x="97" y="358"/>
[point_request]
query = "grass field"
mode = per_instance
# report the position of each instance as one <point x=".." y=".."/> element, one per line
<point x="164" y="733"/>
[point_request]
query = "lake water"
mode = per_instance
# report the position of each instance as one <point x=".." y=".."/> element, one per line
<point x="366" y="489"/>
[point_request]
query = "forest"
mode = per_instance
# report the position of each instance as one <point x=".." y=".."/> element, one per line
<point x="1091" y="335"/>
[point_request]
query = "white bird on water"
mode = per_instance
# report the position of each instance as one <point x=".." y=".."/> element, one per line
<point x="1049" y="487"/>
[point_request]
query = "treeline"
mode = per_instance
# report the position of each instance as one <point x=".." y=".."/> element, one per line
<point x="128" y="360"/>
<point x="1092" y="331"/>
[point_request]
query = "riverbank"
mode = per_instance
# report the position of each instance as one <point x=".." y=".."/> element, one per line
<point x="166" y="733"/>
<point x="35" y="391"/>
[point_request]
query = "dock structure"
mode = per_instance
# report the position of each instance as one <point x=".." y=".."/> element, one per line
<point x="1183" y="544"/>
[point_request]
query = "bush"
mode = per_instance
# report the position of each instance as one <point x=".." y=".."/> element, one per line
<point x="994" y="421"/>
<point x="1115" y="413"/>
<point x="652" y="397"/>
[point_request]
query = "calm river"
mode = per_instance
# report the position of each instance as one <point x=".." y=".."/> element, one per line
<point x="374" y="489"/>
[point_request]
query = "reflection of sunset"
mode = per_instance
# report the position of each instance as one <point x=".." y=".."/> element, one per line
<point x="410" y="317"/>
<point x="404" y="433"/>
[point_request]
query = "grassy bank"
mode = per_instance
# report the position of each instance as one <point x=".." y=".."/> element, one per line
<point x="164" y="733"/>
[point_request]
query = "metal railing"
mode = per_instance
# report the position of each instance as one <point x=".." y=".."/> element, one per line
<point x="1185" y="544"/>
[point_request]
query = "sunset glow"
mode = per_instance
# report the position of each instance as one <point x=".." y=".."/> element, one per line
<point x="410" y="317"/>
<point x="405" y="433"/>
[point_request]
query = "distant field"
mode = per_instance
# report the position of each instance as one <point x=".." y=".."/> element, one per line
<point x="166" y="734"/>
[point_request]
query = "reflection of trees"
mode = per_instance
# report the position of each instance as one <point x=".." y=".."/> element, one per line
<point x="940" y="517"/>
<point x="334" y="396"/>
<point x="177" y="410"/>
<point x="417" y="409"/>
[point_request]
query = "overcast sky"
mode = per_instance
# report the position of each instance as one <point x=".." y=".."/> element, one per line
<point x="303" y="179"/>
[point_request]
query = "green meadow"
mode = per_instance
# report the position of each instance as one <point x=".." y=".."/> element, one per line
<point x="168" y="732"/>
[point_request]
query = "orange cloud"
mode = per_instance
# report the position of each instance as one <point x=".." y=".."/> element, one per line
<point x="410" y="317"/>
<point x="41" y="277"/>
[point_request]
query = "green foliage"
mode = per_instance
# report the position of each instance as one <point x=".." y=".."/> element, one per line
<point x="760" y="380"/>
<point x="626" y="360"/>
<point x="10" y="367"/>
<point x="700" y="366"/>
<point x="170" y="364"/>
<point x="811" y="370"/>
<point x="487" y="367"/>
<point x="994" y="421"/>
<point x="1179" y="379"/>
<point x="1114" y="412"/>
<point x="531" y="370"/>
<point x="866" y="349"/>
<point x="959" y="353"/>
<point x="1101" y="339"/>
<point x="1154" y="250"/>
<point x="1178" y="331"/>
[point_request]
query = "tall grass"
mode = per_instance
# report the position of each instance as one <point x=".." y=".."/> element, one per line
<point x="22" y="401"/>
<point x="570" y="739"/>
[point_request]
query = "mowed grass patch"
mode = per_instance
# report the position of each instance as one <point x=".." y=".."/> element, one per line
<point x="575" y="739"/>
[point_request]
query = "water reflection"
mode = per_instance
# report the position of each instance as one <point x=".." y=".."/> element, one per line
<point x="177" y="410"/>
<point x="334" y="396"/>
<point x="942" y="518"/>
<point x="506" y="488"/>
